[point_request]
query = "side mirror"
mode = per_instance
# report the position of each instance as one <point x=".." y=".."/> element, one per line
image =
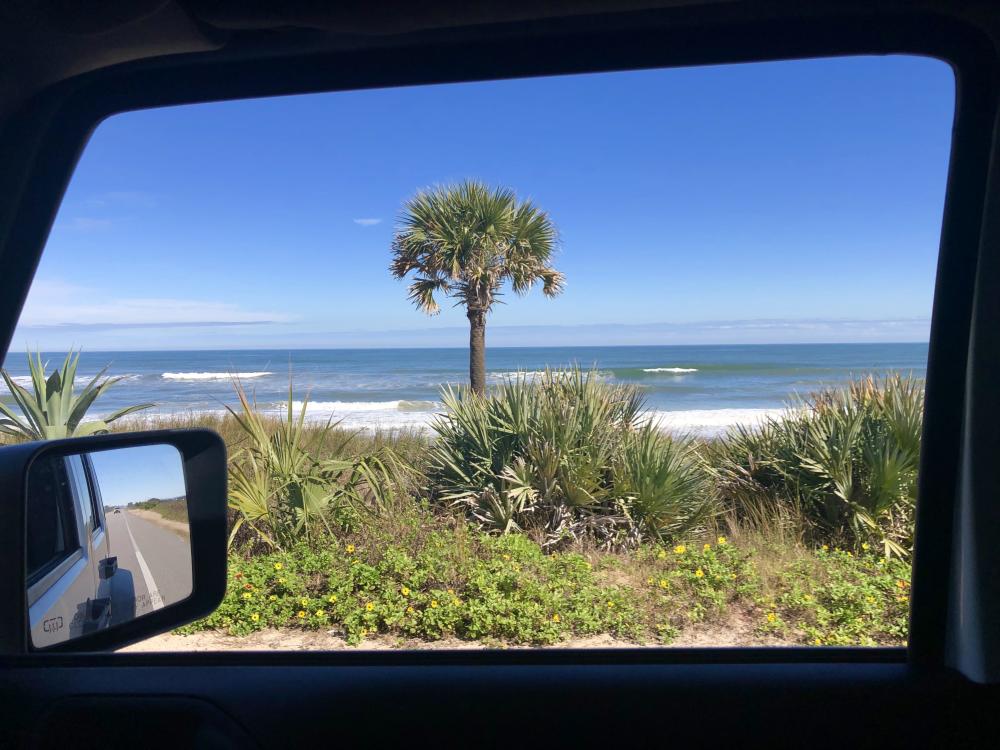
<point x="124" y="535"/>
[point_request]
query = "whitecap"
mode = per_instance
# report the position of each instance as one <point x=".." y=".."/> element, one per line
<point x="711" y="422"/>
<point x="670" y="369"/>
<point x="212" y="375"/>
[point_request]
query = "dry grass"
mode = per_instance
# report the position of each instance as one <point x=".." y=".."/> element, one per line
<point x="410" y="445"/>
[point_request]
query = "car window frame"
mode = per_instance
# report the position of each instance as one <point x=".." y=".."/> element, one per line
<point x="85" y="101"/>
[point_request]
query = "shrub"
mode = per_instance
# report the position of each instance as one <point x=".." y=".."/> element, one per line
<point x="447" y="584"/>
<point x="837" y="598"/>
<point x="568" y="455"/>
<point x="285" y="494"/>
<point x="845" y="463"/>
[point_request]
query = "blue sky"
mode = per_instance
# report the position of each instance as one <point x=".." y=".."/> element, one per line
<point x="793" y="201"/>
<point x="128" y="475"/>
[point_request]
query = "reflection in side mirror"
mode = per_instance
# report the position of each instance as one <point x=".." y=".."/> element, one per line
<point x="108" y="539"/>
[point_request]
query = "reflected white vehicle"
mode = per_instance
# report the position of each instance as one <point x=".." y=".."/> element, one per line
<point x="108" y="541"/>
<point x="69" y="566"/>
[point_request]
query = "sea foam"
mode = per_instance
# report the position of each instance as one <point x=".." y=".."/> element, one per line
<point x="212" y="375"/>
<point x="711" y="422"/>
<point x="670" y="369"/>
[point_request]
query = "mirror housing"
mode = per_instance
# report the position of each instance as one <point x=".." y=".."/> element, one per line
<point x="203" y="456"/>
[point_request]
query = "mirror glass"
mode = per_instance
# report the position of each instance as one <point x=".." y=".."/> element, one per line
<point x="108" y="539"/>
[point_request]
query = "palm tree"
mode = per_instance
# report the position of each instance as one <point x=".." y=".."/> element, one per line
<point x="466" y="241"/>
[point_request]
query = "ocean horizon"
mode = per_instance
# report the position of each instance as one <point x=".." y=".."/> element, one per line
<point x="689" y="388"/>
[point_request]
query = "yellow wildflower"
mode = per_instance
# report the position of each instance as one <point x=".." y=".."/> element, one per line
<point x="434" y="602"/>
<point x="332" y="599"/>
<point x="302" y="613"/>
<point x="555" y="617"/>
<point x="699" y="573"/>
<point x="662" y="555"/>
<point x="451" y="591"/>
<point x="650" y="580"/>
<point x="255" y="617"/>
<point x="902" y="598"/>
<point x="409" y="610"/>
<point x="506" y="557"/>
<point x="304" y="602"/>
<point x="350" y="549"/>
<point x="807" y="597"/>
<point x="663" y="583"/>
<point x="680" y="549"/>
<point x="864" y="546"/>
<point x="721" y="540"/>
<point x="771" y="617"/>
<point x="278" y="566"/>
<point x="272" y="598"/>
<point x="706" y="547"/>
<point x="321" y="613"/>
<point x="870" y="599"/>
<point x="825" y="548"/>
<point x="611" y="604"/>
<point x="817" y="642"/>
<point x="404" y="591"/>
<point x="900" y="584"/>
<point x="457" y="602"/>
<point x="247" y="595"/>
<point x="369" y="606"/>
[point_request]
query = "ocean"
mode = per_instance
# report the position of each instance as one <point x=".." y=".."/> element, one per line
<point x="694" y="389"/>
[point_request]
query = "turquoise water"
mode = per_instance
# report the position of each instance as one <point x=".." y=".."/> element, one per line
<point x="695" y="388"/>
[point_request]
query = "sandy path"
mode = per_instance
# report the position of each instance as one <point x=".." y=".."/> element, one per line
<point x="737" y="631"/>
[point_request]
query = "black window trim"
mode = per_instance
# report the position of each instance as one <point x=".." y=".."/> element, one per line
<point x="94" y="493"/>
<point x="58" y="124"/>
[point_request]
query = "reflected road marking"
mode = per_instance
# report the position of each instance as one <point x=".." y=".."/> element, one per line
<point x="156" y="602"/>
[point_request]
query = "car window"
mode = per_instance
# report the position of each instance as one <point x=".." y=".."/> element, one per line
<point x="50" y="516"/>
<point x="81" y="488"/>
<point x="629" y="358"/>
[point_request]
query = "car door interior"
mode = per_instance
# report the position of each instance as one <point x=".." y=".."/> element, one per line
<point x="942" y="690"/>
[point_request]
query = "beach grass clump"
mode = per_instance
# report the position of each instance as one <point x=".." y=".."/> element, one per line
<point x="843" y="465"/>
<point x="568" y="457"/>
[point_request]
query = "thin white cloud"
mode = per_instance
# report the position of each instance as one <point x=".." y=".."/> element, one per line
<point x="89" y="224"/>
<point x="127" y="198"/>
<point x="54" y="303"/>
<point x="367" y="222"/>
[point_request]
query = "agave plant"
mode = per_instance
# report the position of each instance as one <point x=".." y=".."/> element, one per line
<point x="52" y="409"/>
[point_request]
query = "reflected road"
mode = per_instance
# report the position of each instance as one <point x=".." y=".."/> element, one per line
<point x="154" y="565"/>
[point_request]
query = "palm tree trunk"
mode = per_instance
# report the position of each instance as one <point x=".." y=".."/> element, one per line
<point x="477" y="350"/>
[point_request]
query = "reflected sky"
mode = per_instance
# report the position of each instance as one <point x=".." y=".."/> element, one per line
<point x="139" y="473"/>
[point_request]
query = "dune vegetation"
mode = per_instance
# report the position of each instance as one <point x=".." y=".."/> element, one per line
<point x="552" y="509"/>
